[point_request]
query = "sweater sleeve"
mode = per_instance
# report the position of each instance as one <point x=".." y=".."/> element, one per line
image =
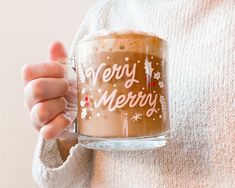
<point x="49" y="170"/>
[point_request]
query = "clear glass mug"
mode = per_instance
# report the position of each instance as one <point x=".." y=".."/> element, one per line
<point x="122" y="92"/>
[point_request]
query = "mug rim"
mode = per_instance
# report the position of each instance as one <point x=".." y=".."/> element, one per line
<point x="122" y="34"/>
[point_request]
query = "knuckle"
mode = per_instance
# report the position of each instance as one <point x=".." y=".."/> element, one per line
<point x="43" y="114"/>
<point x="26" y="71"/>
<point x="37" y="89"/>
<point x="39" y="114"/>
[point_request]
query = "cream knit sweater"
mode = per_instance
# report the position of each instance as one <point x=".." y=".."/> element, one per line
<point x="201" y="37"/>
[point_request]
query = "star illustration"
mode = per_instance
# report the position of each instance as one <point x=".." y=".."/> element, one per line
<point x="157" y="75"/>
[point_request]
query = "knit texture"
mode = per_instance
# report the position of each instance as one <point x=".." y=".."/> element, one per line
<point x="201" y="154"/>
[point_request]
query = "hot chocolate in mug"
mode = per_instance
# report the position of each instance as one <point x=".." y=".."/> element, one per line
<point x="122" y="91"/>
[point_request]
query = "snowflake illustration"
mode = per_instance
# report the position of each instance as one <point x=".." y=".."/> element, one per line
<point x="82" y="103"/>
<point x="84" y="113"/>
<point x="157" y="75"/>
<point x="136" y="117"/>
<point x="161" y="84"/>
<point x="148" y="68"/>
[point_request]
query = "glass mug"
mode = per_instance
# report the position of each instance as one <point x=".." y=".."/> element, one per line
<point x="122" y="93"/>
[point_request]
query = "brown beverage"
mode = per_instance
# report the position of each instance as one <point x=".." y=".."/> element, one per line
<point x="122" y="89"/>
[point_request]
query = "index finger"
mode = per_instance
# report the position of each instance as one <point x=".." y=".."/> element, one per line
<point x="37" y="70"/>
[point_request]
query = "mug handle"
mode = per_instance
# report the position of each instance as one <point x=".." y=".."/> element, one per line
<point x="70" y="66"/>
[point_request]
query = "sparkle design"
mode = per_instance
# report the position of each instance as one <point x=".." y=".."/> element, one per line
<point x="89" y="117"/>
<point x="127" y="58"/>
<point x="90" y="89"/>
<point x="98" y="114"/>
<point x="99" y="90"/>
<point x="154" y="119"/>
<point x="136" y="117"/>
<point x="138" y="61"/>
<point x="114" y="85"/>
<point x="82" y="103"/>
<point x="91" y="96"/>
<point x="83" y="91"/>
<point x="148" y="68"/>
<point x="91" y="109"/>
<point x="157" y="75"/>
<point x="151" y="57"/>
<point x="84" y="113"/>
<point x="160" y="116"/>
<point x="108" y="57"/>
<point x="143" y="88"/>
<point x="126" y="113"/>
<point x="161" y="85"/>
<point x="154" y="91"/>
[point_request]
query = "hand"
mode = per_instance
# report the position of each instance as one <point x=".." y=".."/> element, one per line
<point x="50" y="98"/>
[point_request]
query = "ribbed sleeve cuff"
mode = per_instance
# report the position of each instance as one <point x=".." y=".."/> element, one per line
<point x="50" y="171"/>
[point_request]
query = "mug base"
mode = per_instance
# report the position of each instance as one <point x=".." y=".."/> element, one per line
<point x="124" y="144"/>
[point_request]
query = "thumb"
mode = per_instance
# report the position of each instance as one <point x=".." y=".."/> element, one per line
<point x="57" y="51"/>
